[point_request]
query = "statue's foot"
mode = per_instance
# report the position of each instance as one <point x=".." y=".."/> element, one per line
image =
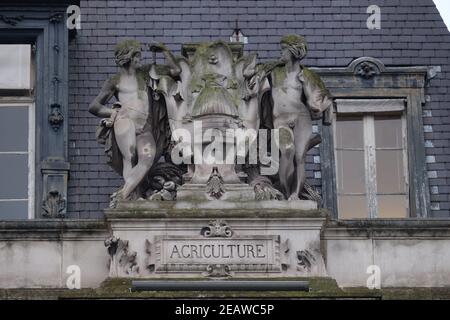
<point x="115" y="198"/>
<point x="264" y="191"/>
<point x="293" y="197"/>
<point x="168" y="195"/>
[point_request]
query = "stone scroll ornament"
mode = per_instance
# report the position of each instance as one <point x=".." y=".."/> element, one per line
<point x="217" y="228"/>
<point x="218" y="271"/>
<point x="217" y="86"/>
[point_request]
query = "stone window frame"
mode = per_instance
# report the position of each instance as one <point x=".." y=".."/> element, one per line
<point x="28" y="102"/>
<point x="367" y="77"/>
<point x="368" y="109"/>
<point x="45" y="29"/>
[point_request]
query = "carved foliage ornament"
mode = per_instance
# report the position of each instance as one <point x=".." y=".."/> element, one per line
<point x="284" y="254"/>
<point x="55" y="118"/>
<point x="122" y="260"/>
<point x="53" y="205"/>
<point x="305" y="260"/>
<point x="11" y="20"/>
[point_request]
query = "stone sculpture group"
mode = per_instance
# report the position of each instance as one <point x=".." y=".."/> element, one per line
<point x="156" y="106"/>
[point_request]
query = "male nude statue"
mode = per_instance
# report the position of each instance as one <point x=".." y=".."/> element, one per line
<point x="130" y="122"/>
<point x="298" y="97"/>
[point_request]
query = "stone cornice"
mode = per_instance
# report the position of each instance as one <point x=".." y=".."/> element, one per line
<point x="388" y="229"/>
<point x="54" y="229"/>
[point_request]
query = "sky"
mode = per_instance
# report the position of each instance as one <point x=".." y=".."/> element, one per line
<point x="444" y="9"/>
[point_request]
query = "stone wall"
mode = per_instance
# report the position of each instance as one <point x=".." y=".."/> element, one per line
<point x="37" y="254"/>
<point x="409" y="254"/>
<point x="412" y="254"/>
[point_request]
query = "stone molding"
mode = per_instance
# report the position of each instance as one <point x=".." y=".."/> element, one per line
<point x="369" y="77"/>
<point x="53" y="230"/>
<point x="432" y="229"/>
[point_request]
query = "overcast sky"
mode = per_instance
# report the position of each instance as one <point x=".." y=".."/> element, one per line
<point x="444" y="8"/>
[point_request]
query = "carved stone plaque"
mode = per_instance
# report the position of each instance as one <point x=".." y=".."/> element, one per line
<point x="194" y="254"/>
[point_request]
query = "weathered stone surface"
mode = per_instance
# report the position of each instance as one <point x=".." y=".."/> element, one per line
<point x="296" y="208"/>
<point x="199" y="242"/>
<point x="36" y="254"/>
<point x="189" y="253"/>
<point x="200" y="110"/>
<point x="406" y="251"/>
<point x="198" y="192"/>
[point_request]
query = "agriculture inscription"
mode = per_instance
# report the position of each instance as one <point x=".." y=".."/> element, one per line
<point x="196" y="253"/>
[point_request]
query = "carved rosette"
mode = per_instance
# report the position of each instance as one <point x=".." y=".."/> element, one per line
<point x="122" y="261"/>
<point x="367" y="70"/>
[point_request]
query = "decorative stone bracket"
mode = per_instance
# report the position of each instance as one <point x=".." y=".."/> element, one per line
<point x="218" y="271"/>
<point x="54" y="175"/>
<point x="54" y="205"/>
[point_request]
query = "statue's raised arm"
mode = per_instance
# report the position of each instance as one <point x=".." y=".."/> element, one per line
<point x="171" y="60"/>
<point x="171" y="81"/>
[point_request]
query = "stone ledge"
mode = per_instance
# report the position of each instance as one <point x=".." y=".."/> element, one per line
<point x="320" y="288"/>
<point x="216" y="209"/>
<point x="51" y="229"/>
<point x="388" y="228"/>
